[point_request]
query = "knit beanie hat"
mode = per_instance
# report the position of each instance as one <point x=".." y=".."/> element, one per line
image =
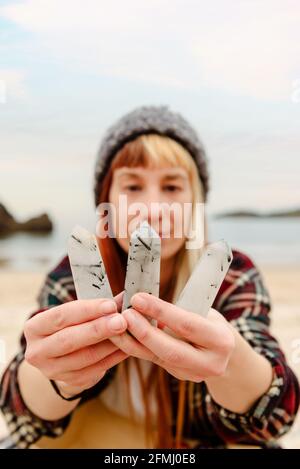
<point x="145" y="120"/>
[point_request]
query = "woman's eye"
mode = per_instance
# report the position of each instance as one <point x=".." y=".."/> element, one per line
<point x="172" y="188"/>
<point x="133" y="188"/>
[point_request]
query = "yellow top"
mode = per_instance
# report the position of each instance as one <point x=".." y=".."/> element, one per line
<point x="104" y="422"/>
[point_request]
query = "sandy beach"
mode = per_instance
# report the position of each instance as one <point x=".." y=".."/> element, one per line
<point x="18" y="291"/>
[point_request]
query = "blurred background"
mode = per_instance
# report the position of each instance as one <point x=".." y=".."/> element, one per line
<point x="69" y="69"/>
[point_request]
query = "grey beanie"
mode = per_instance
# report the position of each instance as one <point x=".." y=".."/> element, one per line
<point x="145" y="120"/>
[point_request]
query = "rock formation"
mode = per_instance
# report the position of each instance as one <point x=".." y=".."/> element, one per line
<point x="8" y="224"/>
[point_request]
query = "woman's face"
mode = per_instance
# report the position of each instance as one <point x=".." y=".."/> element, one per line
<point x="155" y="190"/>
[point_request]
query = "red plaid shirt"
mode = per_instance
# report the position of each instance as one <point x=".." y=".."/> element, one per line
<point x="245" y="302"/>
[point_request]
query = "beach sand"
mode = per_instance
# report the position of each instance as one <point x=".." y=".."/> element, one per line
<point x="18" y="291"/>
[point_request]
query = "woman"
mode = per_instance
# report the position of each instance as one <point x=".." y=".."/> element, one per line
<point x="226" y="382"/>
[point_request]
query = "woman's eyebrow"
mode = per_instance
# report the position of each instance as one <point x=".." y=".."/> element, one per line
<point x="129" y="175"/>
<point x="171" y="177"/>
<point x="166" y="177"/>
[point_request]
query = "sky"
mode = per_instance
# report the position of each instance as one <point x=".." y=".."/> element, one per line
<point x="69" y="69"/>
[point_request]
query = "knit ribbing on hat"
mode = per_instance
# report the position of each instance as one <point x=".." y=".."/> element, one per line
<point x="145" y="120"/>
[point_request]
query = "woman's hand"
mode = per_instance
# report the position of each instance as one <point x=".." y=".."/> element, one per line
<point x="70" y="343"/>
<point x="200" y="348"/>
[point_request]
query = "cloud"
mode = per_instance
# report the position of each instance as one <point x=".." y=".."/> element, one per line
<point x="247" y="47"/>
<point x="109" y="38"/>
<point x="61" y="16"/>
<point x="12" y="85"/>
<point x="255" y="52"/>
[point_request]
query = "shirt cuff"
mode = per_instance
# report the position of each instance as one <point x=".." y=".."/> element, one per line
<point x="257" y="416"/>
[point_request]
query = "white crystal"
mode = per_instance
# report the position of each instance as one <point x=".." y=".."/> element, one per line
<point x="143" y="264"/>
<point x="87" y="266"/>
<point x="202" y="287"/>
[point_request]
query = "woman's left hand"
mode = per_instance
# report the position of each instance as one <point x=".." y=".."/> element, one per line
<point x="199" y="349"/>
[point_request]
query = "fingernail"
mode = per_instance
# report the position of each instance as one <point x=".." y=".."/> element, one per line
<point x="134" y="319"/>
<point x="117" y="322"/>
<point x="139" y="302"/>
<point x="130" y="316"/>
<point x="108" y="307"/>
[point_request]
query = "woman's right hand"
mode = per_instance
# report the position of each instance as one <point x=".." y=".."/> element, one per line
<point x="70" y="343"/>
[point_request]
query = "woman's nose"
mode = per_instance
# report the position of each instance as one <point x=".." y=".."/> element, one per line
<point x="158" y="217"/>
<point x="155" y="207"/>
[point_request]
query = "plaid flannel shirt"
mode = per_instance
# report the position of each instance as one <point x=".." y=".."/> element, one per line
<point x="245" y="302"/>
